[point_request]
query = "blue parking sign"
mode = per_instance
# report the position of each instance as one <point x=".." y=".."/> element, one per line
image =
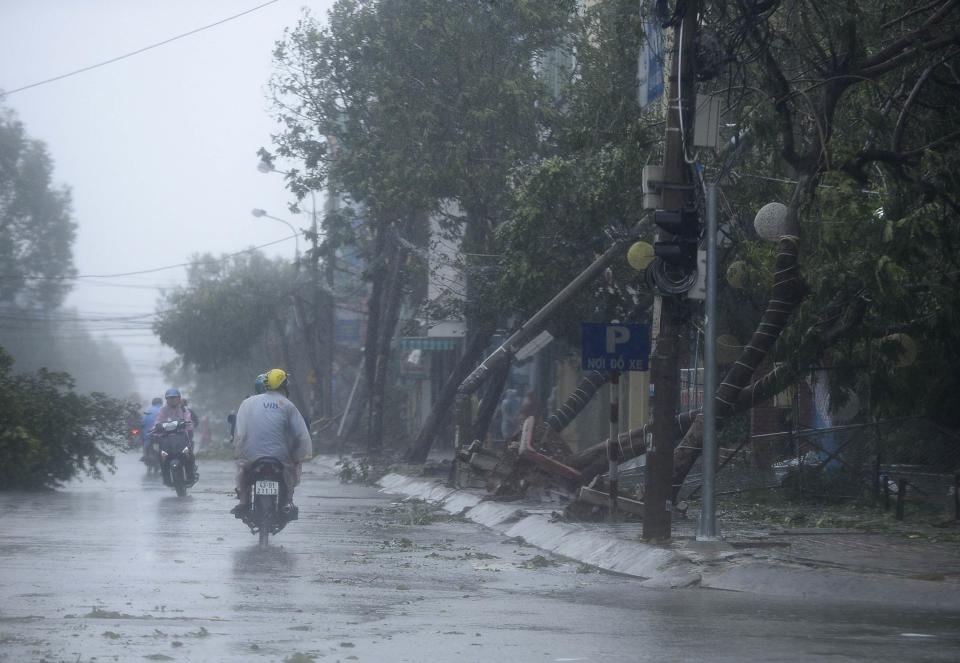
<point x="615" y="347"/>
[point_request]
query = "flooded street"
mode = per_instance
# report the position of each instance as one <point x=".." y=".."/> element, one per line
<point x="124" y="570"/>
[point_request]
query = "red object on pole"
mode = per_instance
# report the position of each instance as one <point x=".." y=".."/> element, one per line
<point x="613" y="457"/>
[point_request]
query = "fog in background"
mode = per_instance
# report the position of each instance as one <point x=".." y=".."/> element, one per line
<point x="159" y="150"/>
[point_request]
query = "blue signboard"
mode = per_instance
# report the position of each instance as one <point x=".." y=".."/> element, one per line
<point x="615" y="347"/>
<point x="650" y="65"/>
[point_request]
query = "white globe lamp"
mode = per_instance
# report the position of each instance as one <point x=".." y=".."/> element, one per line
<point x="771" y="222"/>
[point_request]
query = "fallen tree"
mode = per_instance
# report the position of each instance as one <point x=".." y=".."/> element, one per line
<point x="738" y="392"/>
<point x="787" y="292"/>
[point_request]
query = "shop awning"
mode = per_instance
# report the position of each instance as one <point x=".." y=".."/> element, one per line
<point x="406" y="343"/>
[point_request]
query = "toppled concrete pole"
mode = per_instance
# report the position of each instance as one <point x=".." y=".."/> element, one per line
<point x="630" y="444"/>
<point x="534" y="325"/>
<point x="596" y="497"/>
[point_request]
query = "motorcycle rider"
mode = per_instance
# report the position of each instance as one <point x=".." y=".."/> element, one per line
<point x="269" y="424"/>
<point x="146" y="425"/>
<point x="190" y="411"/>
<point x="174" y="410"/>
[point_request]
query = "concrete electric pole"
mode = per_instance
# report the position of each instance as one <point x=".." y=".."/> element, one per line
<point x="677" y="194"/>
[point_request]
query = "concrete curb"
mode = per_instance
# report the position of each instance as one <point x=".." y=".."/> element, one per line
<point x="714" y="566"/>
<point x="829" y="584"/>
<point x="662" y="565"/>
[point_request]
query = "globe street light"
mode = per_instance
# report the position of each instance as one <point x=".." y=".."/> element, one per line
<point x="296" y="235"/>
<point x="265" y="167"/>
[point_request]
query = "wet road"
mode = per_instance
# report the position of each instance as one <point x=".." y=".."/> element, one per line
<point x="122" y="570"/>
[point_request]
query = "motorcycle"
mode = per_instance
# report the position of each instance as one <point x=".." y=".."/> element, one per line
<point x="151" y="456"/>
<point x="270" y="506"/>
<point x="176" y="456"/>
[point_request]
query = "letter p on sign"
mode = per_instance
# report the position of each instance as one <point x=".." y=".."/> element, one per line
<point x="616" y="336"/>
<point x="614" y="347"/>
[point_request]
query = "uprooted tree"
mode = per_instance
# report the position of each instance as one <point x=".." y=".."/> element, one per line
<point x="848" y="117"/>
<point x="854" y="104"/>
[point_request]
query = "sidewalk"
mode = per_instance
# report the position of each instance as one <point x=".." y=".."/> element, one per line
<point x="810" y="563"/>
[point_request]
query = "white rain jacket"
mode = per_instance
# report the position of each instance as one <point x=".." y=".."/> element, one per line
<point x="269" y="424"/>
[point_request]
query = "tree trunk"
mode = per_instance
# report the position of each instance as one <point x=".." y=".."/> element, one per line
<point x="573" y="405"/>
<point x="787" y="293"/>
<point x="324" y="315"/>
<point x="371" y="346"/>
<point x="329" y="339"/>
<point x="476" y="344"/>
<point x="490" y="401"/>
<point x="307" y="322"/>
<point x="352" y="427"/>
<point x="390" y="315"/>
<point x="480" y="327"/>
<point x="296" y="390"/>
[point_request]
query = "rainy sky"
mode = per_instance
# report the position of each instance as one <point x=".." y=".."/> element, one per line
<point x="158" y="148"/>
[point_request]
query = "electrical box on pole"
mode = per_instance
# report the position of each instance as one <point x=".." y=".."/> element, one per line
<point x="706" y="127"/>
<point x="652" y="184"/>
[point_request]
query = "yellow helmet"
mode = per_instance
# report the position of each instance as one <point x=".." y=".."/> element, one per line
<point x="276" y="378"/>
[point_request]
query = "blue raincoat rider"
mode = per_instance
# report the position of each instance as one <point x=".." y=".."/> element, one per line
<point x="147" y="424"/>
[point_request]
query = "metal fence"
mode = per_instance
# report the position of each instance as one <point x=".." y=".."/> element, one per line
<point x="906" y="465"/>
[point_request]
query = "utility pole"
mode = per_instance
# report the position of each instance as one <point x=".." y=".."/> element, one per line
<point x="324" y="314"/>
<point x="677" y="195"/>
<point x="707" y="530"/>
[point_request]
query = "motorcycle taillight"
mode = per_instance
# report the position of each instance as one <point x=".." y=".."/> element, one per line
<point x="267" y="472"/>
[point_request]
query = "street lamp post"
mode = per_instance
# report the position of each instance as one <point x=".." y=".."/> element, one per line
<point x="296" y="235"/>
<point x="324" y="317"/>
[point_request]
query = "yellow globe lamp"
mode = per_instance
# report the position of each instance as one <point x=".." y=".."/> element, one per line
<point x="640" y="255"/>
<point x="907" y="348"/>
<point x="737" y="274"/>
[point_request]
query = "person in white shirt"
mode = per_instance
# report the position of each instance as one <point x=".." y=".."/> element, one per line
<point x="270" y="425"/>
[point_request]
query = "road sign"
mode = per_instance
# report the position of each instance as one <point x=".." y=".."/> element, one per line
<point x="615" y="347"/>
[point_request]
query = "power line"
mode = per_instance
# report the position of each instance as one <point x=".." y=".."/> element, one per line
<point x="145" y="271"/>
<point x="138" y="51"/>
<point x="78" y="317"/>
<point x="129" y="286"/>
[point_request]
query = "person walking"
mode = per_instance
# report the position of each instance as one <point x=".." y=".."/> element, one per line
<point x="509" y="408"/>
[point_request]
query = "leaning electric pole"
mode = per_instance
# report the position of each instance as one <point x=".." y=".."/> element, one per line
<point x="677" y="198"/>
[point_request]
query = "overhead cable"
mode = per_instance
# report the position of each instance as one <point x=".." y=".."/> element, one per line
<point x="136" y="52"/>
<point x="145" y="271"/>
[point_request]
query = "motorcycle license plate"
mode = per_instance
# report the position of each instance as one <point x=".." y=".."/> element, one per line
<point x="267" y="488"/>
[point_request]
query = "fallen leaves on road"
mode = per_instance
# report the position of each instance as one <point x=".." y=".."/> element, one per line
<point x="538" y="562"/>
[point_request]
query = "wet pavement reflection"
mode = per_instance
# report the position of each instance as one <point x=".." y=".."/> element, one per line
<point x="124" y="570"/>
